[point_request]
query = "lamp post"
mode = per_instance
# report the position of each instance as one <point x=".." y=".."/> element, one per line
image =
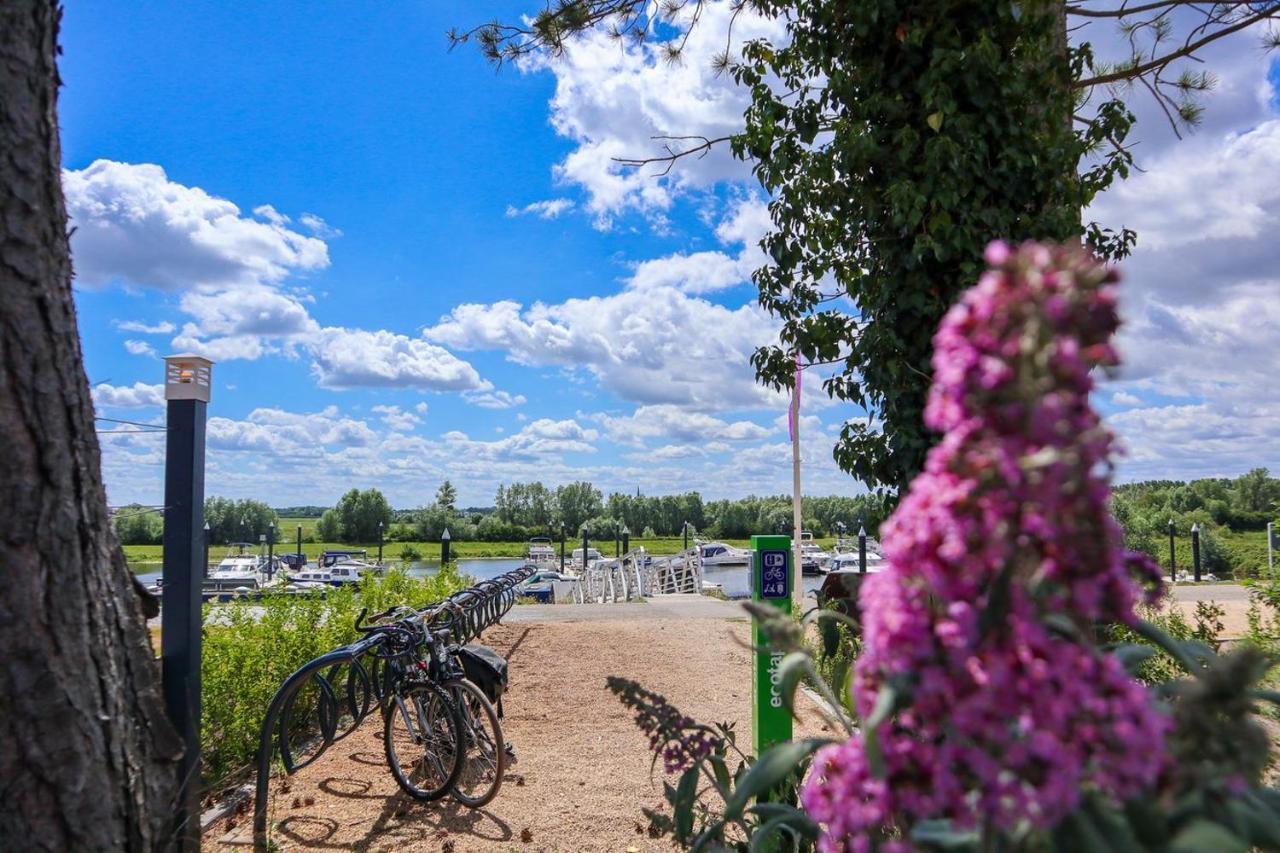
<point x="271" y="549"/>
<point x="379" y="542"/>
<point x="187" y="383"/>
<point x="1195" y="550"/>
<point x="1173" y="564"/>
<point x="444" y="548"/>
<point x="617" y="542"/>
<point x="301" y="561"/>
<point x="685" y="527"/>
<point x="562" y="547"/>
<point x="862" y="550"/>
<point x="205" y="571"/>
<point x="585" y="544"/>
<point x="626" y="540"/>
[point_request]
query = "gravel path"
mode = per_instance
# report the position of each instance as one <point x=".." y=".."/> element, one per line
<point x="583" y="769"/>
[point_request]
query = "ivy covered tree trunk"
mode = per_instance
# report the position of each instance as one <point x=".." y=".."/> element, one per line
<point x="87" y="756"/>
<point x="902" y="139"/>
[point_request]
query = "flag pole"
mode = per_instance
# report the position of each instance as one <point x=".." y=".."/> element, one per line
<point x="797" y="588"/>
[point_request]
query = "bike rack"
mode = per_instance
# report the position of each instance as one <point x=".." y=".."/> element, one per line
<point x="466" y="613"/>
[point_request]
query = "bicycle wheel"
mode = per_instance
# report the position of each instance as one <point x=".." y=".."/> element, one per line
<point x="485" y="761"/>
<point x="423" y="736"/>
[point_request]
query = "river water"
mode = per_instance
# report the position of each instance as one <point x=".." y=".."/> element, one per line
<point x="734" y="580"/>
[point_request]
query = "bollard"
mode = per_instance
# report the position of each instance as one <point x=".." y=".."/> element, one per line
<point x="772" y="577"/>
<point x="188" y="380"/>
<point x="1195" y="550"/>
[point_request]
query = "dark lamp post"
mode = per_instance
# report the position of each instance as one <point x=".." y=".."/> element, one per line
<point x="188" y="380"/>
<point x="862" y="550"/>
<point x="1195" y="550"/>
<point x="379" y="542"/>
<point x="444" y="548"/>
<point x="271" y="549"/>
<point x="205" y="571"/>
<point x="626" y="540"/>
<point x="1173" y="564"/>
<point x="562" y="547"/>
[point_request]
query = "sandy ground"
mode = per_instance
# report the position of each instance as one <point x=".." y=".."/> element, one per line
<point x="583" y="768"/>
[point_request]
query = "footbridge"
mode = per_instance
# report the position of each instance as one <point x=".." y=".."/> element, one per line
<point x="632" y="576"/>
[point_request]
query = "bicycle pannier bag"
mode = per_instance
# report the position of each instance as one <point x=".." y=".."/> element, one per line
<point x="487" y="669"/>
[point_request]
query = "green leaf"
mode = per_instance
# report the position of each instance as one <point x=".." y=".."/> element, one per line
<point x="797" y="824"/>
<point x="1204" y="836"/>
<point x="791" y="672"/>
<point x="775" y="765"/>
<point x="683" y="803"/>
<point x="1133" y="655"/>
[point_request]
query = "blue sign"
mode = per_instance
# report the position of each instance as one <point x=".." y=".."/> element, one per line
<point x="775" y="574"/>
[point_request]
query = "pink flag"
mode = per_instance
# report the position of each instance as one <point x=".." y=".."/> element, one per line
<point x="794" y="418"/>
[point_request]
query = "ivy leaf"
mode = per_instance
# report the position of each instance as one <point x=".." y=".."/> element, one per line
<point x="935" y="121"/>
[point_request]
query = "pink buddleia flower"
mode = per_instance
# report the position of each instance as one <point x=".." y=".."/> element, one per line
<point x="1006" y="715"/>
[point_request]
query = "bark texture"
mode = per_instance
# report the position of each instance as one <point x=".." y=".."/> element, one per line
<point x="87" y="757"/>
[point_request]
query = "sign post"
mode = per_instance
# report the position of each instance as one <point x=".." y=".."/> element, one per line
<point x="772" y="576"/>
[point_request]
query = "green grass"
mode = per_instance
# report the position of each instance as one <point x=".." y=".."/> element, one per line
<point x="143" y="557"/>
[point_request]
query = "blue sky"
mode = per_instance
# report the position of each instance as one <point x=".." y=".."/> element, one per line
<point x="409" y="267"/>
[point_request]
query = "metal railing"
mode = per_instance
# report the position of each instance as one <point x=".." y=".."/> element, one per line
<point x="636" y="574"/>
<point x="347" y="689"/>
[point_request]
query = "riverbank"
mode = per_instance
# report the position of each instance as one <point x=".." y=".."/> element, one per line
<point x="140" y="555"/>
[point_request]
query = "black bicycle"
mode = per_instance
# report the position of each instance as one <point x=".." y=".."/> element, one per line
<point x="424" y="730"/>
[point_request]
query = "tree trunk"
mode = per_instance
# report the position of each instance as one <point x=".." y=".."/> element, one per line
<point x="87" y="757"/>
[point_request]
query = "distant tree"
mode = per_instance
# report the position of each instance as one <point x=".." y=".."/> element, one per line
<point x="237" y="521"/>
<point x="431" y="521"/>
<point x="578" y="503"/>
<point x="139" y="525"/>
<point x="1255" y="491"/>
<point x="329" y="527"/>
<point x="360" y="513"/>
<point x="447" y="496"/>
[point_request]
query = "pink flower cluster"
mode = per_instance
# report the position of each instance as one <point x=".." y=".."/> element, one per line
<point x="1001" y="557"/>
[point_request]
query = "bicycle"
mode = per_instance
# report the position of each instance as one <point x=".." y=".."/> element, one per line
<point x="423" y="727"/>
<point x="485" y="761"/>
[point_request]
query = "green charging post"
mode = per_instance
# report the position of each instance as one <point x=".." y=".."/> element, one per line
<point x="772" y="575"/>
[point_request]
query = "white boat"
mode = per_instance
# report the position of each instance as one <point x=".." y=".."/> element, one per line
<point x="240" y="568"/>
<point x="330" y="560"/>
<point x="848" y="562"/>
<point x="541" y="551"/>
<point x="813" y="560"/>
<point x="335" y="575"/>
<point x="593" y="555"/>
<point x="720" y="554"/>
